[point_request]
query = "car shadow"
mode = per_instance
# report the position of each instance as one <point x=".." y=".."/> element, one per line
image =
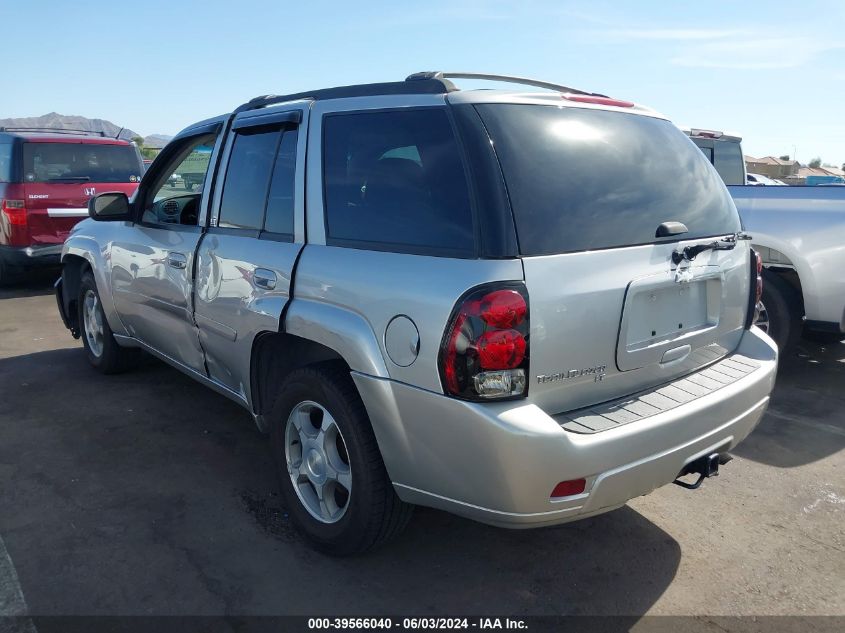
<point x="31" y="284"/>
<point x="147" y="493"/>
<point x="805" y="421"/>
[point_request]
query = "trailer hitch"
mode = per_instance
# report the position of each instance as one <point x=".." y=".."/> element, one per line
<point x="706" y="466"/>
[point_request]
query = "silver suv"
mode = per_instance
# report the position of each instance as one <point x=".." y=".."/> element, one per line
<point x="521" y="307"/>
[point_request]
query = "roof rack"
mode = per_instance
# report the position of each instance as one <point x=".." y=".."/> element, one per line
<point x="441" y="76"/>
<point x="423" y="86"/>
<point x="428" y="82"/>
<point x="52" y="130"/>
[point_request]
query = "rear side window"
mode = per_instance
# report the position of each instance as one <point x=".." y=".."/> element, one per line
<point x="259" y="187"/>
<point x="581" y="179"/>
<point x="247" y="179"/>
<point x="80" y="162"/>
<point x="5" y="162"/>
<point x="279" y="216"/>
<point x="395" y="181"/>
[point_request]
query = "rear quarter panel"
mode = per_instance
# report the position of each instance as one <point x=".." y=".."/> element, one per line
<point x="807" y="224"/>
<point x="374" y="287"/>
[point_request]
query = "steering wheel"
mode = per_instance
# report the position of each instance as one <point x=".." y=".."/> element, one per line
<point x="189" y="215"/>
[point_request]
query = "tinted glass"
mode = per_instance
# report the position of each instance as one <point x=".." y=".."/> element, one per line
<point x="80" y="162"/>
<point x="582" y="179"/>
<point x="395" y="181"/>
<point x="247" y="179"/>
<point x="279" y="217"/>
<point x="5" y="162"/>
<point x="729" y="162"/>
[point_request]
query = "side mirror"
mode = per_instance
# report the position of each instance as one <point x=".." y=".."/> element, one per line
<point x="110" y="207"/>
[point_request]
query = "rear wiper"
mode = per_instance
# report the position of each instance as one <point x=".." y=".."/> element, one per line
<point x="73" y="178"/>
<point x="726" y="243"/>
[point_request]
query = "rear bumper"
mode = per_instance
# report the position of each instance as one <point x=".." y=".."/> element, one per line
<point x="31" y="256"/>
<point x="498" y="463"/>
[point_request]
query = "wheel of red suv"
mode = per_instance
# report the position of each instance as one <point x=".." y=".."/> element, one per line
<point x="330" y="470"/>
<point x="778" y="313"/>
<point x="102" y="350"/>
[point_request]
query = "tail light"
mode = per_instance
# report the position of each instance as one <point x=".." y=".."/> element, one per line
<point x="15" y="211"/>
<point x="484" y="353"/>
<point x="598" y="99"/>
<point x="756" y="291"/>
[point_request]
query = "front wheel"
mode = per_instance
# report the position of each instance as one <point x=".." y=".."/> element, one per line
<point x="102" y="350"/>
<point x="330" y="470"/>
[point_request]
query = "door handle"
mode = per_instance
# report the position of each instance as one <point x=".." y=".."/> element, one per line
<point x="264" y="278"/>
<point x="177" y="260"/>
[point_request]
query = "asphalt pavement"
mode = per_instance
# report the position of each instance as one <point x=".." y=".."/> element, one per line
<point x="148" y="494"/>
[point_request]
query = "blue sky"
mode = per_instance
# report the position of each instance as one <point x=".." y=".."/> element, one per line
<point x="772" y="71"/>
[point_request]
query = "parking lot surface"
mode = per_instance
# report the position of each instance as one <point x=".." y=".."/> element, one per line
<point x="146" y="493"/>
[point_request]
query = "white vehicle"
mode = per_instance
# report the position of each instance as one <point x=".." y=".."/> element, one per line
<point x="799" y="233"/>
<point x="760" y="179"/>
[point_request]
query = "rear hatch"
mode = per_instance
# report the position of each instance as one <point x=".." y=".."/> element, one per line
<point x="60" y="177"/>
<point x="611" y="314"/>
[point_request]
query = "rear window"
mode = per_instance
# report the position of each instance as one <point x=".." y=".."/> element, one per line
<point x="728" y="161"/>
<point x="5" y="162"/>
<point x="582" y="179"/>
<point x="80" y="162"/>
<point x="395" y="181"/>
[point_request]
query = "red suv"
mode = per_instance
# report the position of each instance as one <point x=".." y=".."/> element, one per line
<point x="46" y="180"/>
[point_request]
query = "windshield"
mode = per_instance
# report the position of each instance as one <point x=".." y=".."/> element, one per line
<point x="582" y="179"/>
<point x="80" y="162"/>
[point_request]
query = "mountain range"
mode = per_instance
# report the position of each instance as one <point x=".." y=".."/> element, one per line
<point x="55" y="121"/>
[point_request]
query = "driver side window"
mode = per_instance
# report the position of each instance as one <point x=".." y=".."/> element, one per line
<point x="177" y="190"/>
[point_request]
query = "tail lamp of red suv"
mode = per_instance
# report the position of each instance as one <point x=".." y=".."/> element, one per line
<point x="484" y="353"/>
<point x="15" y="211"/>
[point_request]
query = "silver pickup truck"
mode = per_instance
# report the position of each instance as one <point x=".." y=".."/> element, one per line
<point x="800" y="235"/>
<point x="521" y="307"/>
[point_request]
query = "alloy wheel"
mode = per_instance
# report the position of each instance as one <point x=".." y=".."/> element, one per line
<point x="318" y="462"/>
<point x="92" y="316"/>
<point x="761" y="317"/>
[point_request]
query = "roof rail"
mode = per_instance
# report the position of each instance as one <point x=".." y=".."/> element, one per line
<point x="53" y="130"/>
<point x="441" y="75"/>
<point x="424" y="86"/>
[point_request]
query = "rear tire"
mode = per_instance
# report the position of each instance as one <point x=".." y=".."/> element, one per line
<point x="101" y="348"/>
<point x="321" y="438"/>
<point x="781" y="307"/>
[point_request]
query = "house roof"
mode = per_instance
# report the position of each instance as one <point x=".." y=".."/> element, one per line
<point x="773" y="160"/>
<point x="803" y="172"/>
